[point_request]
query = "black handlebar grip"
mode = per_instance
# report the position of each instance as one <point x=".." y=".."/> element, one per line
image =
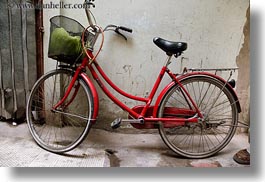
<point x="126" y="29"/>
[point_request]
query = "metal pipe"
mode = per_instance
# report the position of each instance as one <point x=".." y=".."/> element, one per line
<point x="39" y="38"/>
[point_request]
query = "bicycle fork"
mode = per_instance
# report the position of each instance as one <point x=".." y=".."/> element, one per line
<point x="68" y="91"/>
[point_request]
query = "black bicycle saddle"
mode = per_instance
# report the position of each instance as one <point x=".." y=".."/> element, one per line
<point x="171" y="48"/>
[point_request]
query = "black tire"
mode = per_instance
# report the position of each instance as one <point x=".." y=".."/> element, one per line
<point x="64" y="129"/>
<point x="208" y="137"/>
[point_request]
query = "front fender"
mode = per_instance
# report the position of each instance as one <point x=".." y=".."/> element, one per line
<point x="94" y="95"/>
<point x="189" y="75"/>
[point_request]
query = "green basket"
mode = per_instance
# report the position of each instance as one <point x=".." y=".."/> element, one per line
<point x="65" y="40"/>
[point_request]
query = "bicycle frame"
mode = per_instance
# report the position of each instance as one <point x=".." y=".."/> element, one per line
<point x="141" y="116"/>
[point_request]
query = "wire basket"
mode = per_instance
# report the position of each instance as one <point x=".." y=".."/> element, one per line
<point x="65" y="40"/>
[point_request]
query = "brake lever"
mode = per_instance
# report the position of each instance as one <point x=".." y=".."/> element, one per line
<point x="116" y="29"/>
<point x="119" y="33"/>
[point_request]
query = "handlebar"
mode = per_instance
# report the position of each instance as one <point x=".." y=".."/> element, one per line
<point x="87" y="6"/>
<point x="125" y="29"/>
<point x="117" y="29"/>
<point x="95" y="31"/>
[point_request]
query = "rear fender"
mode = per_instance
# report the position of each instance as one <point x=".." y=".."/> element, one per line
<point x="190" y="75"/>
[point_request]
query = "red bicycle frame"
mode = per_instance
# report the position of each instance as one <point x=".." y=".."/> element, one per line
<point x="147" y="114"/>
<point x="94" y="68"/>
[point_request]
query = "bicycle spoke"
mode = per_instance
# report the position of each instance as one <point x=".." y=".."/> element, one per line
<point x="200" y="92"/>
<point x="178" y="101"/>
<point x="209" y="98"/>
<point x="204" y="96"/>
<point x="194" y="92"/>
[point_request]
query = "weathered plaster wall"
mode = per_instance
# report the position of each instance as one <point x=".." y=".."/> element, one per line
<point x="212" y="28"/>
<point x="243" y="62"/>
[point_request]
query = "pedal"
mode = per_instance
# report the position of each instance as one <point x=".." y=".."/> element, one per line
<point x="116" y="123"/>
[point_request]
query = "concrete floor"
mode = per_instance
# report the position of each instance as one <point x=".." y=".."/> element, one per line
<point x="105" y="149"/>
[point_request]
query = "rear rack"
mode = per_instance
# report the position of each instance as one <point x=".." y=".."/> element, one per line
<point x="211" y="69"/>
<point x="186" y="70"/>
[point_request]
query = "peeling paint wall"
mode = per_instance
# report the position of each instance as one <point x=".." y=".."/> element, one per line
<point x="212" y="28"/>
<point x="243" y="62"/>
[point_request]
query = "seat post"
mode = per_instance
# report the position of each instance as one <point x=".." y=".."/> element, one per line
<point x="168" y="62"/>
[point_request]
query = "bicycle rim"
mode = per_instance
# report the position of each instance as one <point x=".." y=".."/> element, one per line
<point x="207" y="137"/>
<point x="64" y="129"/>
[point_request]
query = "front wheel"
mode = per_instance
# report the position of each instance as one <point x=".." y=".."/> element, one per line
<point x="63" y="129"/>
<point x="214" y="132"/>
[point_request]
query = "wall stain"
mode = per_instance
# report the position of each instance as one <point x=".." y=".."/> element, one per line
<point x="128" y="69"/>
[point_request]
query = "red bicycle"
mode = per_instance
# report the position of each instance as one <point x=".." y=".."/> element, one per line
<point x="196" y="114"/>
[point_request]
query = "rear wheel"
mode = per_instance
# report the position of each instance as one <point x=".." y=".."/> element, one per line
<point x="214" y="132"/>
<point x="63" y="129"/>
